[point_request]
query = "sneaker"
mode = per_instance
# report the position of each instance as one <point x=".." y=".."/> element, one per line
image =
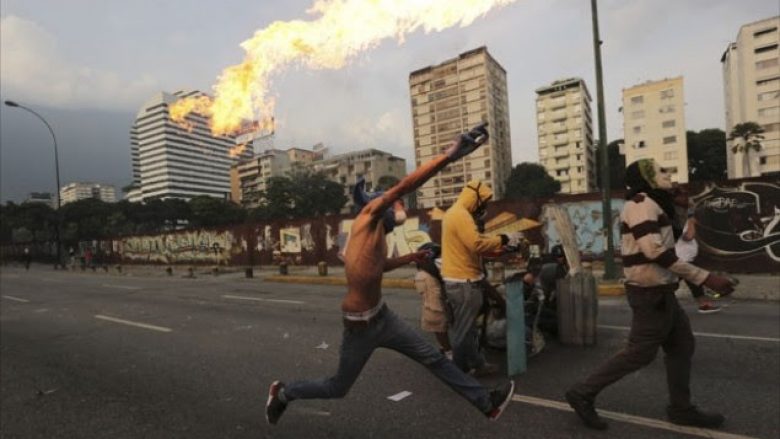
<point x="695" y="417"/>
<point x="274" y="407"/>
<point x="500" y="398"/>
<point x="487" y="369"/>
<point x="709" y="308"/>
<point x="583" y="406"/>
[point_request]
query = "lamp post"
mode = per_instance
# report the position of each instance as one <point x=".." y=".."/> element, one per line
<point x="56" y="169"/>
<point x="606" y="200"/>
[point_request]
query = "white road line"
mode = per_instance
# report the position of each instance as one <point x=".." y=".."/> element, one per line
<point x="130" y="323"/>
<point x="121" y="287"/>
<point x="706" y="334"/>
<point x="258" y="299"/>
<point x="631" y="419"/>
<point x="16" y="299"/>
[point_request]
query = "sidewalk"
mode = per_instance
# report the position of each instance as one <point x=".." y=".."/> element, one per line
<point x="752" y="286"/>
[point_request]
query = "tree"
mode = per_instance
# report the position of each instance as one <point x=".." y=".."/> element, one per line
<point x="706" y="155"/>
<point x="302" y="194"/>
<point x="530" y="180"/>
<point x="746" y="136"/>
<point x="209" y="212"/>
<point x="86" y="219"/>
<point x="617" y="166"/>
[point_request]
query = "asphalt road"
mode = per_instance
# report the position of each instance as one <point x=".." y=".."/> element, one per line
<point x="76" y="361"/>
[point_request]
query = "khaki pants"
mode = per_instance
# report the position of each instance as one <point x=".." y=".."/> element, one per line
<point x="658" y="321"/>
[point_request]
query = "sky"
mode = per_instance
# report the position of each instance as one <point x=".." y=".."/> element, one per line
<point x="87" y="66"/>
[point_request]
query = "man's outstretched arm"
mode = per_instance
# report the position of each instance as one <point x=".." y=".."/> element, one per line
<point x="465" y="144"/>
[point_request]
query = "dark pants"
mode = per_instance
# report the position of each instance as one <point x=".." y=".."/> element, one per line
<point x="658" y="321"/>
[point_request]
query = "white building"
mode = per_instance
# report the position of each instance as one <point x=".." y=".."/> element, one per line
<point x="170" y="161"/>
<point x="249" y="177"/>
<point x="565" y="129"/>
<point x="82" y="190"/>
<point x="751" y="86"/>
<point x="654" y="125"/>
<point x="448" y="99"/>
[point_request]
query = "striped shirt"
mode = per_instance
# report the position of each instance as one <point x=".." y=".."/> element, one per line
<point x="647" y="246"/>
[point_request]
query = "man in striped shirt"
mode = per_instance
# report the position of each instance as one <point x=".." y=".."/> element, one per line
<point x="652" y="271"/>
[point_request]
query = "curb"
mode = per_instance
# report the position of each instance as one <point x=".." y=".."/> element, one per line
<point x="605" y="290"/>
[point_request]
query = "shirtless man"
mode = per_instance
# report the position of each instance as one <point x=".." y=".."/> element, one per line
<point x="368" y="322"/>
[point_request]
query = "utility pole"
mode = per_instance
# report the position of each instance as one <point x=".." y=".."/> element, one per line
<point x="606" y="205"/>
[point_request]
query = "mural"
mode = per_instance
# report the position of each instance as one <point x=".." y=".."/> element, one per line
<point x="195" y="246"/>
<point x="588" y="225"/>
<point x="404" y="239"/>
<point x="290" y="239"/>
<point x="739" y="222"/>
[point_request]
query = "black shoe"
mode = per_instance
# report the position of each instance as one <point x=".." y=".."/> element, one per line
<point x="500" y="397"/>
<point x="583" y="406"/>
<point x="274" y="407"/>
<point x="694" y="417"/>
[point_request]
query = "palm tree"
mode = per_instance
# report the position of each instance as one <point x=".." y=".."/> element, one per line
<point x="750" y="133"/>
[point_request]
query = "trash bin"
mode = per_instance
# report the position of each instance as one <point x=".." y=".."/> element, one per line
<point x="322" y="268"/>
<point x="249" y="273"/>
<point x="283" y="268"/>
<point x="577" y="309"/>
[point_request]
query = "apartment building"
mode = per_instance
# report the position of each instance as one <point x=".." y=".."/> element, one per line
<point x="171" y="161"/>
<point x="654" y="125"/>
<point x="448" y="99"/>
<point x="249" y="177"/>
<point x="565" y="131"/>
<point x="43" y="198"/>
<point x="82" y="190"/>
<point x="370" y="164"/>
<point x="751" y="86"/>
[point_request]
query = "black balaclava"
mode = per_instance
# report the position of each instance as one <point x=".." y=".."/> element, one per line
<point x="639" y="178"/>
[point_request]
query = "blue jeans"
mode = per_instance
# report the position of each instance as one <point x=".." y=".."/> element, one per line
<point x="465" y="298"/>
<point x="387" y="330"/>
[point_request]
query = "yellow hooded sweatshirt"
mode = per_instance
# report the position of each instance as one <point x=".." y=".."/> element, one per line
<point x="461" y="243"/>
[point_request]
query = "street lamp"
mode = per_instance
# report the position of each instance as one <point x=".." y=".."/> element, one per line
<point x="606" y="200"/>
<point x="56" y="169"/>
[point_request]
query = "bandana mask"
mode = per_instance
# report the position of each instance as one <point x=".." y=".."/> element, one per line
<point x="392" y="216"/>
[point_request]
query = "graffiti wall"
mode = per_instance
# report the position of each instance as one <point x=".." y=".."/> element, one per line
<point x="738" y="226"/>
<point x="739" y="230"/>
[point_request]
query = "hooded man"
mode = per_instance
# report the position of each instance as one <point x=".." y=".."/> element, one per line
<point x="368" y="322"/>
<point x="464" y="281"/>
<point x="652" y="271"/>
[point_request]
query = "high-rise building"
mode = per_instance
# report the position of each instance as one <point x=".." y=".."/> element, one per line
<point x="82" y="190"/>
<point x="654" y="125"/>
<point x="448" y="99"/>
<point x="370" y="164"/>
<point x="249" y="177"/>
<point x="171" y="161"/>
<point x="565" y="128"/>
<point x="751" y="86"/>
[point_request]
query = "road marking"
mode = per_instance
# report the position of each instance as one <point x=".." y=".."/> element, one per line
<point x="16" y="299"/>
<point x="258" y="299"/>
<point x="137" y="324"/>
<point x="631" y="419"/>
<point x="121" y="287"/>
<point x="706" y="334"/>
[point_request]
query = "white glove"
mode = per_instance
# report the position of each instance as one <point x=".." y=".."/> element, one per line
<point x="515" y="239"/>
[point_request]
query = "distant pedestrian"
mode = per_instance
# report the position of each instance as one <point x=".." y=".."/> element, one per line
<point x="88" y="257"/>
<point x="652" y="271"/>
<point x="687" y="248"/>
<point x="428" y="282"/>
<point x="27" y="258"/>
<point x="72" y="257"/>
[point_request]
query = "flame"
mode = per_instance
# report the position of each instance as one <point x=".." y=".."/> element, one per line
<point x="340" y="31"/>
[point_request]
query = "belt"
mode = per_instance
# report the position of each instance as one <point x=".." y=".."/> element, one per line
<point x="367" y="323"/>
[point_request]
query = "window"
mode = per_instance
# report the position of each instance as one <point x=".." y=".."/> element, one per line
<point x="637" y="99"/>
<point x="667" y="94"/>
<point x="767" y="63"/>
<point x="766" y="48"/>
<point x="666" y="109"/>
<point x="670" y="155"/>
<point x="640" y="144"/>
<point x="670" y="139"/>
<point x="771" y="111"/>
<point x="637" y="129"/>
<point x="769" y="95"/>
<point x="668" y="124"/>
<point x="637" y="114"/>
<point x="764" y="32"/>
<point x="770" y="127"/>
<point x="769" y="81"/>
<point x="762" y="160"/>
